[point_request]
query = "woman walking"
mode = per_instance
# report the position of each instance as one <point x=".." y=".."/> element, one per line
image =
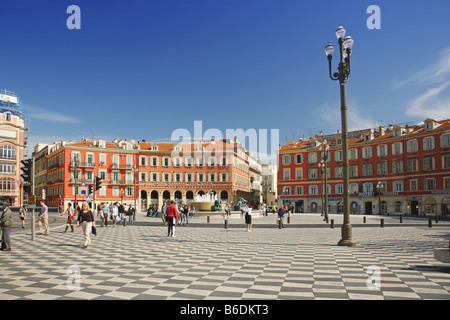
<point x="22" y="215"/>
<point x="248" y="216"/>
<point x="70" y="217"/>
<point x="185" y="215"/>
<point x="86" y="218"/>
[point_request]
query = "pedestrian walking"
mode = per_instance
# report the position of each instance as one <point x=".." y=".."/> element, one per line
<point x="70" y="217"/>
<point x="247" y="210"/>
<point x="104" y="214"/>
<point x="114" y="214"/>
<point x="186" y="215"/>
<point x="191" y="211"/>
<point x="227" y="210"/>
<point x="172" y="215"/>
<point x="163" y="211"/>
<point x="86" y="220"/>
<point x="6" y="222"/>
<point x="131" y="213"/>
<point x="43" y="219"/>
<point x="23" y="215"/>
<point x="281" y="213"/>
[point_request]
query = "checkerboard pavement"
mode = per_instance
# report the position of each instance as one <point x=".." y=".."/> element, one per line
<point x="206" y="261"/>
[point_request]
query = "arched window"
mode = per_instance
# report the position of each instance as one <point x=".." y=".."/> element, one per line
<point x="7" y="152"/>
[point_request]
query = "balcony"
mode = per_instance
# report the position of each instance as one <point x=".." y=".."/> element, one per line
<point x="80" y="164"/>
<point x="122" y="182"/>
<point x="121" y="166"/>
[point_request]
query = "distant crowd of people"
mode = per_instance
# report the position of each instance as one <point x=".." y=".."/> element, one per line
<point x="116" y="212"/>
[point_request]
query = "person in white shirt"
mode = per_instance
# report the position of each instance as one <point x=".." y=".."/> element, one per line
<point x="248" y="216"/>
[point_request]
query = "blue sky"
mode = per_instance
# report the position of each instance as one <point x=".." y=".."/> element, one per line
<point x="141" y="69"/>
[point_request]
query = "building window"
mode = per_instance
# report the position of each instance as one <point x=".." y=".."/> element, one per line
<point x="412" y="165"/>
<point x="298" y="158"/>
<point x="298" y="174"/>
<point x="312" y="189"/>
<point x="338" y="155"/>
<point x="447" y="183"/>
<point x="299" y="190"/>
<point x="368" y="187"/>
<point x="367" y="169"/>
<point x="312" y="157"/>
<point x="312" y="173"/>
<point x="166" y="162"/>
<point x="286" y="174"/>
<point x="428" y="163"/>
<point x="338" y="172"/>
<point x="189" y="177"/>
<point x="367" y="152"/>
<point x="412" y="146"/>
<point x="7" y="184"/>
<point x="353" y="171"/>
<point x="398" y="206"/>
<point x="413" y="185"/>
<point x="446" y="162"/>
<point x="398" y="186"/>
<point x="286" y="160"/>
<point x="397" y="167"/>
<point x="353" y="154"/>
<point x="7" y="152"/>
<point x="382" y="168"/>
<point x="397" y="148"/>
<point x="354" y="188"/>
<point x="430" y="184"/>
<point x="445" y="140"/>
<point x="428" y="143"/>
<point x="339" y="188"/>
<point x="382" y="151"/>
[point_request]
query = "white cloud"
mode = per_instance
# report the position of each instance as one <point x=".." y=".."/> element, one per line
<point x="431" y="104"/>
<point x="48" y="115"/>
<point x="331" y="117"/>
<point x="434" y="100"/>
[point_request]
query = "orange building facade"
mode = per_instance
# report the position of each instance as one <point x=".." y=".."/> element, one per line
<point x="394" y="170"/>
<point x="141" y="173"/>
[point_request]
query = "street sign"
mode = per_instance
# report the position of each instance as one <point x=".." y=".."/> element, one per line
<point x="83" y="191"/>
<point x="88" y="198"/>
<point x="31" y="199"/>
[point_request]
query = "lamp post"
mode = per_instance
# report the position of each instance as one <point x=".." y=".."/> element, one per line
<point x="324" y="160"/>
<point x="379" y="186"/>
<point x="345" y="49"/>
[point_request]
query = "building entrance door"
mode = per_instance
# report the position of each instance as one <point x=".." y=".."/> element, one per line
<point x="368" y="207"/>
<point x="414" y="208"/>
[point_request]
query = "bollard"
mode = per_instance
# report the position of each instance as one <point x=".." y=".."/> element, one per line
<point x="279" y="224"/>
<point x="364" y="219"/>
<point x="226" y="223"/>
<point x="382" y="223"/>
<point x="401" y="219"/>
<point x="332" y="223"/>
<point x="288" y="219"/>
<point x="207" y="219"/>
<point x="429" y="223"/>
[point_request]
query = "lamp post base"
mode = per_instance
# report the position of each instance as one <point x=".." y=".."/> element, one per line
<point x="346" y="240"/>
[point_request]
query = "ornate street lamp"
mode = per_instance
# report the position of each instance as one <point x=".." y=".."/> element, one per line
<point x="345" y="49"/>
<point x="324" y="160"/>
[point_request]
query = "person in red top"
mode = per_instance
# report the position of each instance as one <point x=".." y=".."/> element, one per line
<point x="171" y="215"/>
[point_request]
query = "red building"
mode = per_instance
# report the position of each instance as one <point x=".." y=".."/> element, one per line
<point x="394" y="170"/>
<point x="140" y="173"/>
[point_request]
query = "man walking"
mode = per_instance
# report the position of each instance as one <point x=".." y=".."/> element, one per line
<point x="43" y="219"/>
<point x="281" y="213"/>
<point x="172" y="215"/>
<point x="6" y="222"/>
